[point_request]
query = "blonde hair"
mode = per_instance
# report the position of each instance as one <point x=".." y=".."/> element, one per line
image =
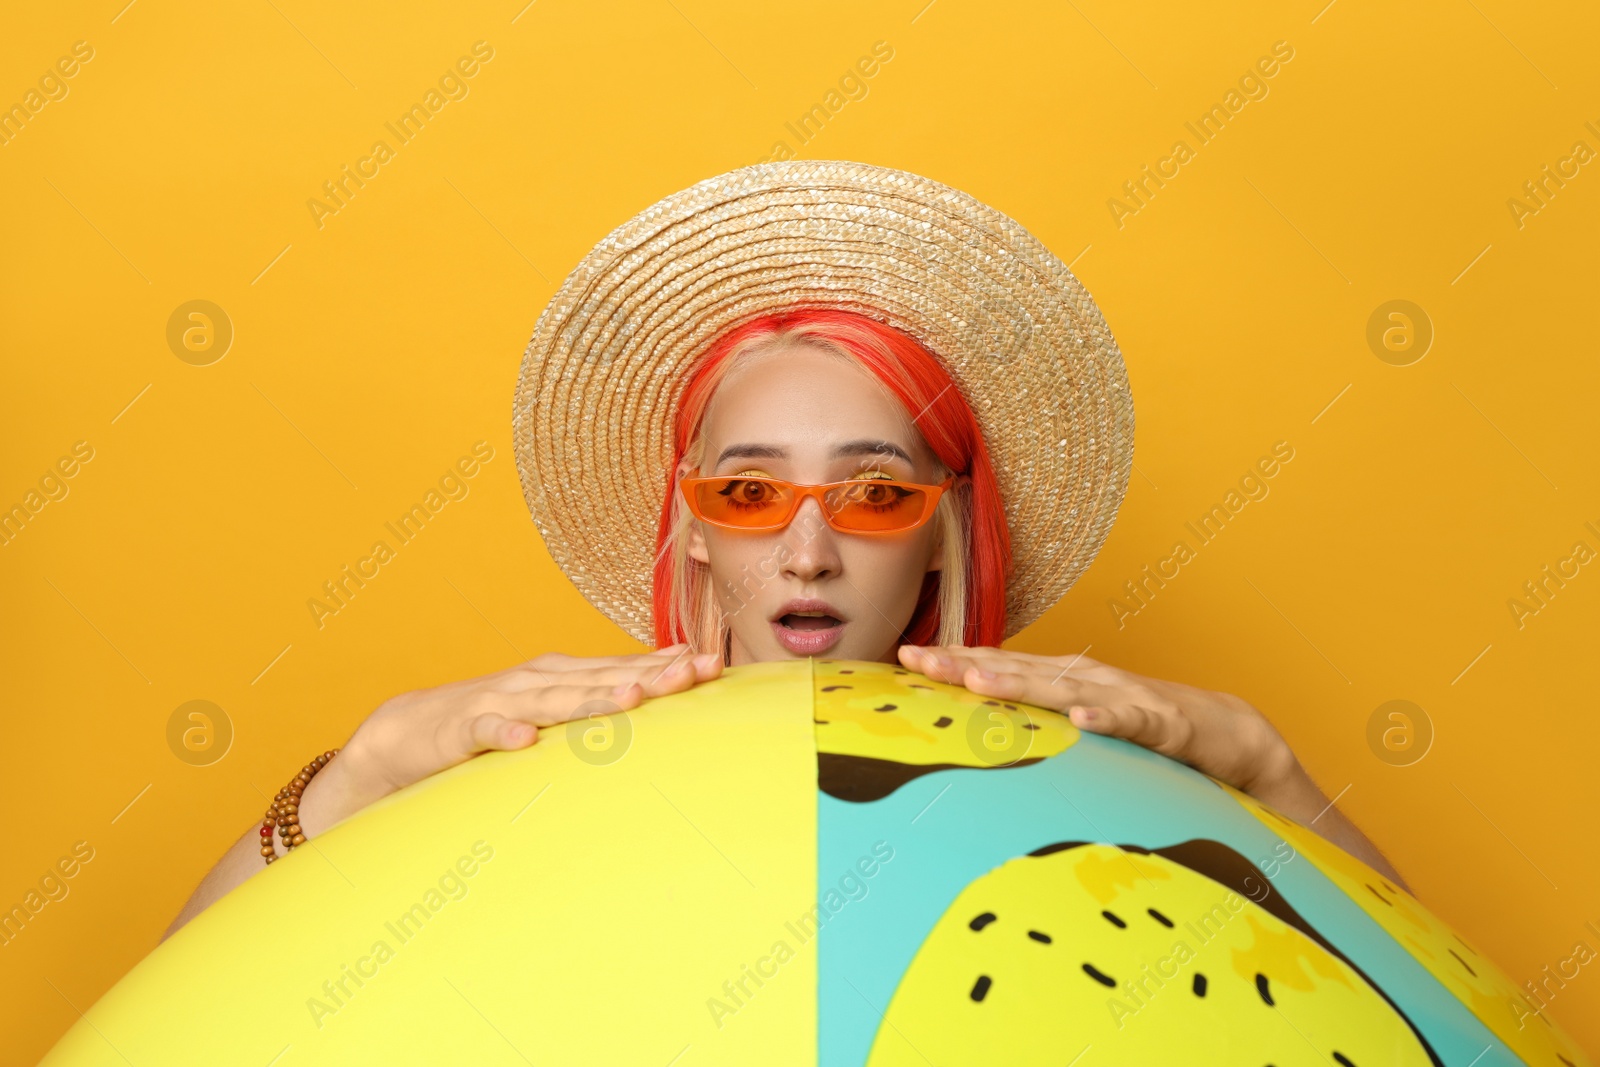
<point x="693" y="609"/>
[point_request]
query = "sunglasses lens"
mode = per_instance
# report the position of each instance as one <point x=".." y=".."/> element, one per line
<point x="748" y="502"/>
<point x="867" y="506"/>
<point x="877" y="506"/>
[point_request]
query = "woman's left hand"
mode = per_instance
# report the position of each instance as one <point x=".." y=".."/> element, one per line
<point x="1217" y="733"/>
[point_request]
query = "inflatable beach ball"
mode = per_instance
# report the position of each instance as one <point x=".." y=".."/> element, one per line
<point x="818" y="862"/>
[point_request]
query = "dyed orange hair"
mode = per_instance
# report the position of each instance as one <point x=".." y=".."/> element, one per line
<point x="976" y="537"/>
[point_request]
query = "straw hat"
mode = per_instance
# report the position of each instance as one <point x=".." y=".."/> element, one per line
<point x="601" y="378"/>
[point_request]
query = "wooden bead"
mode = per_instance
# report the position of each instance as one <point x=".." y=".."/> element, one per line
<point x="283" y="814"/>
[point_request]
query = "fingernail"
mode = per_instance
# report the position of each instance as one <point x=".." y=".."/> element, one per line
<point x="622" y="689"/>
<point x="706" y="660"/>
<point x="1089" y="714"/>
<point x="986" y="675"/>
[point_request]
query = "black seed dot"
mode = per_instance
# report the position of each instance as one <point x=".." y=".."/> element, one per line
<point x="1380" y="896"/>
<point x="981" y="921"/>
<point x="991" y="703"/>
<point x="1199" y="984"/>
<point x="822" y="722"/>
<point x="1013" y="707"/>
<point x="831" y="688"/>
<point x="1114" y="920"/>
<point x="847" y="672"/>
<point x="1041" y="938"/>
<point x="1341" y="1059"/>
<point x="1566" y="1061"/>
<point x="1030" y="726"/>
<point x="1104" y="979"/>
<point x="902" y="672"/>
<point x="1160" y="918"/>
<point x="913" y="685"/>
<point x="886" y="707"/>
<point x="1261" y="987"/>
<point x="1463" y="962"/>
<point x="943" y="721"/>
<point x="980" y="988"/>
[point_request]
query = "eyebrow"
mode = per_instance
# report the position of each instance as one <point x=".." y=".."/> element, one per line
<point x="840" y="451"/>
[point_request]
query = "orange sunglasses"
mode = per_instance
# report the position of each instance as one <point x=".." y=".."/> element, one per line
<point x="863" y="506"/>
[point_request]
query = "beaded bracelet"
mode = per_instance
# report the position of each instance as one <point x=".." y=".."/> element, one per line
<point x="283" y="814"/>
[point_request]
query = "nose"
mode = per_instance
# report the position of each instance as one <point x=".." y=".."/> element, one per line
<point x="813" y="545"/>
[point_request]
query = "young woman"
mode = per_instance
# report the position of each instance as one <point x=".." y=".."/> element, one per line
<point x="831" y="491"/>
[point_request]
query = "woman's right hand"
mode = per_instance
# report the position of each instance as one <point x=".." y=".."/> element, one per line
<point x="422" y="732"/>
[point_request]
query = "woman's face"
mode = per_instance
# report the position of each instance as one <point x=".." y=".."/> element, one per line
<point x="807" y="415"/>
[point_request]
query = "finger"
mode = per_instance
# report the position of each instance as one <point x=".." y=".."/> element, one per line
<point x="561" y="661"/>
<point x="1095" y="720"/>
<point x="554" y="704"/>
<point x="1131" y="722"/>
<point x="939" y="664"/>
<point x="950" y="663"/>
<point x="708" y="665"/>
<point x="589" y="670"/>
<point x="617" y="674"/>
<point x="1036" y="687"/>
<point x="919" y="659"/>
<point x="1055" y="666"/>
<point x="493" y="732"/>
<point x="988" y="654"/>
<point x="679" y="674"/>
<point x="1057" y="669"/>
<point x="626" y="687"/>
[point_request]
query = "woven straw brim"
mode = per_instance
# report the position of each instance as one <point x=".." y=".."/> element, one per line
<point x="1025" y="343"/>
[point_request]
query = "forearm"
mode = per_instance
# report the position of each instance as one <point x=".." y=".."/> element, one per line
<point x="329" y="797"/>
<point x="237" y="864"/>
<point x="1297" y="796"/>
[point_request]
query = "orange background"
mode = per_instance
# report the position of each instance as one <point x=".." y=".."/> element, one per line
<point x="372" y="351"/>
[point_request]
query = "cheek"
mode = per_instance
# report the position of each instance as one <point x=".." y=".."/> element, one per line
<point x="888" y="573"/>
<point x="737" y="562"/>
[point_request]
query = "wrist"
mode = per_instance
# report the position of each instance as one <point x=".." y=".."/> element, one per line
<point x="337" y="792"/>
<point x="1278" y="777"/>
<point x="1290" y="790"/>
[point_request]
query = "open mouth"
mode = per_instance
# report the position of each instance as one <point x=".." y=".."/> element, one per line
<point x="808" y="629"/>
<point x="804" y="621"/>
